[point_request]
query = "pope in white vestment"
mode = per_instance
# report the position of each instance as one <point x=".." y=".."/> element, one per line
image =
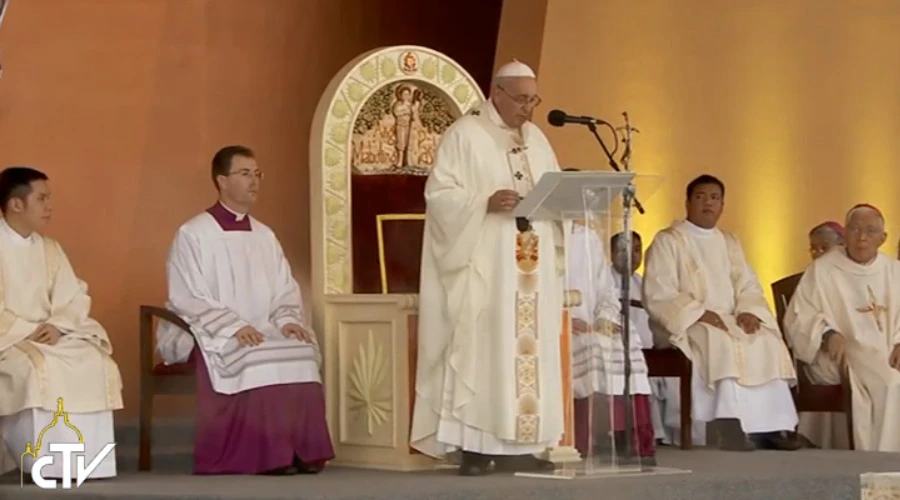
<point x="260" y="403"/>
<point x="488" y="379"/>
<point x="700" y="289"/>
<point x="598" y="353"/>
<point x="846" y="313"/>
<point x="54" y="357"/>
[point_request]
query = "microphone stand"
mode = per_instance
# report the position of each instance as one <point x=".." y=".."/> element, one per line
<point x="628" y="199"/>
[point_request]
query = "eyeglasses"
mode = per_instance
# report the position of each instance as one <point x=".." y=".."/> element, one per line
<point x="868" y="230"/>
<point x="258" y="174"/>
<point x="523" y="100"/>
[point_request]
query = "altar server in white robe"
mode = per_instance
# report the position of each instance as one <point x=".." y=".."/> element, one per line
<point x="699" y="288"/>
<point x="488" y="380"/>
<point x="260" y="403"/>
<point x="641" y="322"/>
<point x="845" y="314"/>
<point x="598" y="352"/>
<point x="53" y="356"/>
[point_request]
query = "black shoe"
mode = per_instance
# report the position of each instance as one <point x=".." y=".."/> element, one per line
<point x="781" y="441"/>
<point x="474" y="464"/>
<point x="290" y="470"/>
<point x="727" y="435"/>
<point x="523" y="463"/>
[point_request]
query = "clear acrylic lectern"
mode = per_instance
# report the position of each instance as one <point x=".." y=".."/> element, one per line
<point x="606" y="415"/>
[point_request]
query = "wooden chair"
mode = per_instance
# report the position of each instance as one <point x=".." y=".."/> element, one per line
<point x="809" y="397"/>
<point x="158" y="379"/>
<point x="671" y="362"/>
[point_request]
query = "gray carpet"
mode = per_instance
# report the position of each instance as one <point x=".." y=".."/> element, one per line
<point x="808" y="474"/>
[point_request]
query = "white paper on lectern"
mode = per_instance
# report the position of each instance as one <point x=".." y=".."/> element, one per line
<point x="560" y="195"/>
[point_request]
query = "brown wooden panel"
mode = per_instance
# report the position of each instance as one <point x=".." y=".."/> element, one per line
<point x="387" y="194"/>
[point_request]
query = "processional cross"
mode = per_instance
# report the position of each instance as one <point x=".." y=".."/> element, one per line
<point x="873" y="308"/>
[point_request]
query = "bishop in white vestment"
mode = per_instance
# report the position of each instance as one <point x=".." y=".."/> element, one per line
<point x="488" y="380"/>
<point x="700" y="289"/>
<point x="845" y="314"/>
<point x="598" y="354"/>
<point x="260" y="403"/>
<point x="54" y="357"/>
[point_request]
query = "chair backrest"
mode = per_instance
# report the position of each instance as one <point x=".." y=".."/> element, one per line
<point x="782" y="291"/>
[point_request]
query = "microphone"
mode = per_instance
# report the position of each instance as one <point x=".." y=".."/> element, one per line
<point x="558" y="118"/>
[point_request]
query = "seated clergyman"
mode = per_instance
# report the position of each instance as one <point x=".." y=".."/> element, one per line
<point x="700" y="289"/>
<point x="824" y="237"/>
<point x="52" y="353"/>
<point x="844" y="316"/>
<point x="260" y="403"/>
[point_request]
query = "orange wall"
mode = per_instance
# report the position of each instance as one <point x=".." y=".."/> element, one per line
<point x="123" y="103"/>
<point x="795" y="105"/>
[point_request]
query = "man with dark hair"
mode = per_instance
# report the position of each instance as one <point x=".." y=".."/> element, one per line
<point x="598" y="351"/>
<point x="702" y="293"/>
<point x="53" y="355"/>
<point x="260" y="403"/>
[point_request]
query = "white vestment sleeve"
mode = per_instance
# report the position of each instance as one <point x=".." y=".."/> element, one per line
<point x="70" y="304"/>
<point x="190" y="298"/>
<point x="13" y="329"/>
<point x="748" y="296"/>
<point x="805" y="320"/>
<point x="664" y="300"/>
<point x="287" y="304"/>
<point x="455" y="208"/>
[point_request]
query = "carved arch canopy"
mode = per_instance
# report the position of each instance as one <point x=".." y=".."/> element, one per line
<point x="381" y="74"/>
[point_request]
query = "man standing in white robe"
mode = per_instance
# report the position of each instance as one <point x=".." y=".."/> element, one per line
<point x="488" y="380"/>
<point x="845" y="315"/>
<point x="700" y="289"/>
<point x="598" y="353"/>
<point x="260" y="403"/>
<point x="53" y="356"/>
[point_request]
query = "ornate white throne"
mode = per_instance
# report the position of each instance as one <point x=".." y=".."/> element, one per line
<point x="376" y="129"/>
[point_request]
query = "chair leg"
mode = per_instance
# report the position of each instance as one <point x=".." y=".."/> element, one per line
<point x="687" y="423"/>
<point x="145" y="430"/>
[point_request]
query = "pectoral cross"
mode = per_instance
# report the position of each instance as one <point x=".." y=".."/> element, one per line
<point x="874" y="308"/>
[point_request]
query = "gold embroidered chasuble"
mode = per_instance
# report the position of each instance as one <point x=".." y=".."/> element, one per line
<point x="862" y="303"/>
<point x="491" y="295"/>
<point x="38" y="285"/>
<point x="677" y="291"/>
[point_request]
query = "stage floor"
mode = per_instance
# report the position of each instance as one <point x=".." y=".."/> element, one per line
<point x="716" y="475"/>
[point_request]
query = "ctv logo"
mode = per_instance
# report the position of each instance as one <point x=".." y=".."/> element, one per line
<point x="66" y="451"/>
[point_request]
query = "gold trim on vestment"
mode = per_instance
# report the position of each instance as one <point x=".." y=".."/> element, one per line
<point x="527" y="257"/>
<point x="379" y="231"/>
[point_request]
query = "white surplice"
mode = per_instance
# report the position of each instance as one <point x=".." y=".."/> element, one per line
<point x="598" y="357"/>
<point x="38" y="285"/>
<point x="690" y="270"/>
<point x="221" y="281"/>
<point x="862" y="303"/>
<point x="488" y="378"/>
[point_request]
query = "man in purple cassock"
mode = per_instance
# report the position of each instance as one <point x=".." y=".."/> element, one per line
<point x="260" y="403"/>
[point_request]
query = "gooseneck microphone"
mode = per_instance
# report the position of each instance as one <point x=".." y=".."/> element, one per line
<point x="558" y="118"/>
